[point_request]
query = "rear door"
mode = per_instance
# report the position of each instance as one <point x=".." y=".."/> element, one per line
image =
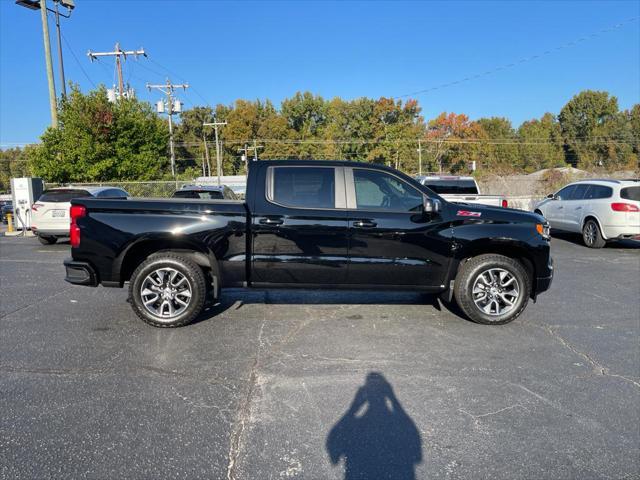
<point x="299" y="226"/>
<point x="392" y="242"/>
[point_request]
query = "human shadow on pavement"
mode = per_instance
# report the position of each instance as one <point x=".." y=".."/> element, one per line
<point x="375" y="437"/>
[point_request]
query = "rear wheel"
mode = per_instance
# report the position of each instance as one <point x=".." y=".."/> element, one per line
<point x="591" y="235"/>
<point x="47" y="240"/>
<point x="492" y="289"/>
<point x="167" y="290"/>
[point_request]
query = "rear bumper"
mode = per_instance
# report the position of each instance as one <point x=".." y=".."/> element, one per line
<point x="50" y="232"/>
<point x="80" y="273"/>
<point x="625" y="231"/>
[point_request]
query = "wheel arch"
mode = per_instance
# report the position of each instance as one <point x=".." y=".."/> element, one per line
<point x="137" y="252"/>
<point x="513" y="249"/>
<point x="592" y="216"/>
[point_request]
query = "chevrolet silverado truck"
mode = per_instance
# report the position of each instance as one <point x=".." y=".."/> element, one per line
<point x="315" y="225"/>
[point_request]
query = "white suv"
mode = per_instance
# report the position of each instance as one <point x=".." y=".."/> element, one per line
<point x="50" y="214"/>
<point x="601" y="210"/>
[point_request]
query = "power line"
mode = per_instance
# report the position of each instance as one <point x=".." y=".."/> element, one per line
<point x="77" y="60"/>
<point x="530" y="58"/>
<point x="181" y="78"/>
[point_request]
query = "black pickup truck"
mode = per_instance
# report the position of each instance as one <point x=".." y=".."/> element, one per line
<point x="311" y="224"/>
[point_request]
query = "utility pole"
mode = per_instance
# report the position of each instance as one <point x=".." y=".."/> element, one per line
<point x="206" y="172"/>
<point x="255" y="150"/>
<point x="47" y="55"/>
<point x="419" y="157"/>
<point x="118" y="53"/>
<point x="172" y="108"/>
<point x="215" y="125"/>
<point x="245" y="156"/>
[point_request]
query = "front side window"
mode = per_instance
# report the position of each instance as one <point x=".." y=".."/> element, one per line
<point x="304" y="187"/>
<point x="579" y="192"/>
<point x="566" y="193"/>
<point x="377" y="190"/>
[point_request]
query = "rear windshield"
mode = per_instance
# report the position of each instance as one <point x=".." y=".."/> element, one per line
<point x="463" y="187"/>
<point x="630" y="193"/>
<point x="62" y="196"/>
<point x="203" y="194"/>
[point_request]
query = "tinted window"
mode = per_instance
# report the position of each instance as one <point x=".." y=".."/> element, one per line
<point x="62" y="195"/>
<point x="113" y="193"/>
<point x="630" y="193"/>
<point x="566" y="192"/>
<point x="304" y="187"/>
<point x="464" y="187"/>
<point x="228" y="194"/>
<point x="202" y="194"/>
<point x="579" y="192"/>
<point x="382" y="191"/>
<point x="598" y="191"/>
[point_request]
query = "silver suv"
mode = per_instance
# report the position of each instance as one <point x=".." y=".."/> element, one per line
<point x="601" y="210"/>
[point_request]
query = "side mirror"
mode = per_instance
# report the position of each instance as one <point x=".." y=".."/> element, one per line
<point x="430" y="205"/>
<point x="552" y="196"/>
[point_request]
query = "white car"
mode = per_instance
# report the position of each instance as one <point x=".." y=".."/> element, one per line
<point x="600" y="210"/>
<point x="50" y="214"/>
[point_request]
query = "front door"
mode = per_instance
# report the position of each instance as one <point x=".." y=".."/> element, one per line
<point x="555" y="211"/>
<point x="300" y="227"/>
<point x="391" y="240"/>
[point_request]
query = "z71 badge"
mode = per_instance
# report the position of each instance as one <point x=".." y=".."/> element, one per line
<point x="467" y="213"/>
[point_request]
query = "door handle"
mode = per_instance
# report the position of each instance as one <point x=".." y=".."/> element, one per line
<point x="364" y="224"/>
<point x="578" y="208"/>
<point x="271" y="221"/>
<point x="560" y="208"/>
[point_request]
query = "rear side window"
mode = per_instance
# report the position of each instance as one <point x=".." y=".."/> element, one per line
<point x="630" y="193"/>
<point x="62" y="196"/>
<point x="461" y="187"/>
<point x="304" y="187"/>
<point x="113" y="193"/>
<point x="598" y="191"/>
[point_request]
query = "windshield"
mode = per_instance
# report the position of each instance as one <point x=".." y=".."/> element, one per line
<point x="441" y="186"/>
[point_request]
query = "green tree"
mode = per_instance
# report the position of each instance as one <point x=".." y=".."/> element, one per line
<point x="500" y="152"/>
<point x="540" y="144"/>
<point x="99" y="141"/>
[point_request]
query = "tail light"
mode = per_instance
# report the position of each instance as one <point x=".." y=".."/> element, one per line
<point x="36" y="206"/>
<point x="76" y="212"/>
<point x="505" y="204"/>
<point x="624" y="207"/>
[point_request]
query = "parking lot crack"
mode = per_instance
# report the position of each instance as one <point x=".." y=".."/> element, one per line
<point x="243" y="415"/>
<point x="488" y="414"/>
<point x="596" y="366"/>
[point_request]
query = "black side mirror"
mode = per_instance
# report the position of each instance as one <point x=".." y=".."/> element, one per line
<point x="552" y="196"/>
<point x="430" y="205"/>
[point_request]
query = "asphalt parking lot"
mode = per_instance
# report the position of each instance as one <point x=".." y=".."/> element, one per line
<point x="303" y="384"/>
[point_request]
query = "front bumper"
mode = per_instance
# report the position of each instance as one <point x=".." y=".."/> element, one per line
<point x="80" y="273"/>
<point x="544" y="283"/>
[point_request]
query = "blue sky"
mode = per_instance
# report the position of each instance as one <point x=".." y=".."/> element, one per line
<point x="230" y="50"/>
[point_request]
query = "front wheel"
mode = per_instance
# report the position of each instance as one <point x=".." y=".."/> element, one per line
<point x="591" y="235"/>
<point x="167" y="290"/>
<point x="492" y="289"/>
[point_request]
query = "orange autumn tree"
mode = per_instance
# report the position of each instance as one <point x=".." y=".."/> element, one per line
<point x="453" y="142"/>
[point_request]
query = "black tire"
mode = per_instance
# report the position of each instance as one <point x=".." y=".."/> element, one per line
<point x="47" y="240"/>
<point x="591" y="234"/>
<point x="196" y="281"/>
<point x="469" y="273"/>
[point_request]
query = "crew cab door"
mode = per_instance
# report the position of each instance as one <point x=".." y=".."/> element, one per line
<point x="391" y="240"/>
<point x="299" y="226"/>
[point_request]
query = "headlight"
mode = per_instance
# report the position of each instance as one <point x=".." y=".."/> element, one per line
<point x="544" y="230"/>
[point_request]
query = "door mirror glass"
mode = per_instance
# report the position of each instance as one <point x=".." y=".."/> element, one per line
<point x="430" y="205"/>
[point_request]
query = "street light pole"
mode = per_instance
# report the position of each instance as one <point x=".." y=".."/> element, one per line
<point x="60" y="61"/>
<point x="47" y="56"/>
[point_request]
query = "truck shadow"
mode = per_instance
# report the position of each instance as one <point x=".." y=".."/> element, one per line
<point x="236" y="298"/>
<point x="375" y="437"/>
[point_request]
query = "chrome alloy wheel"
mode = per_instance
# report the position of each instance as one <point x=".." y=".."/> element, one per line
<point x="590" y="233"/>
<point x="165" y="293"/>
<point x="496" y="291"/>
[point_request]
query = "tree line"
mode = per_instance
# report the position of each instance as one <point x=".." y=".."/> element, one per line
<point x="102" y="141"/>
